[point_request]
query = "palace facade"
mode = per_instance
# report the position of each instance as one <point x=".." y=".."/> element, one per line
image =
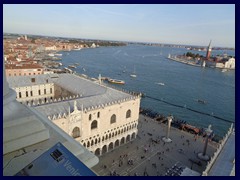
<point x="99" y="117"/>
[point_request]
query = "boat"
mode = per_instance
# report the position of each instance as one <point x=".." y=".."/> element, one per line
<point x="68" y="70"/>
<point x="58" y="54"/>
<point x="224" y="70"/>
<point x="133" y="74"/>
<point x="77" y="64"/>
<point x="162" y="84"/>
<point x="71" y="66"/>
<point x="116" y="81"/>
<point x="51" y="55"/>
<point x="77" y="49"/>
<point x="201" y="101"/>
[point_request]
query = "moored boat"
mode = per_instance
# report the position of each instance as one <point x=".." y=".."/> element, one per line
<point x="71" y="66"/>
<point x="116" y="81"/>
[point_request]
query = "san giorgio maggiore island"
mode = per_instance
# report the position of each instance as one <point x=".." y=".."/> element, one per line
<point x="223" y="62"/>
<point x="105" y="119"/>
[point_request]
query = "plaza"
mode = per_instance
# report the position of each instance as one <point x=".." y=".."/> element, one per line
<point x="149" y="155"/>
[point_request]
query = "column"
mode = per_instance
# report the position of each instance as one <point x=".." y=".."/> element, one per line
<point x="167" y="139"/>
<point x="203" y="155"/>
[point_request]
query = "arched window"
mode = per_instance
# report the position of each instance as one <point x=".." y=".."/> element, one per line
<point x="90" y="117"/>
<point x="113" y="119"/>
<point x="94" y="124"/>
<point x="128" y="114"/>
<point x="76" y="132"/>
<point x="98" y="114"/>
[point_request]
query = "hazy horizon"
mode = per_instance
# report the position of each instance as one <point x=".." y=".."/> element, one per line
<point x="182" y="24"/>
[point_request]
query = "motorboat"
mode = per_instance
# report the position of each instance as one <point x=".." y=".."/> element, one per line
<point x="201" y="101"/>
<point x="160" y="83"/>
<point x="116" y="81"/>
<point x="72" y="66"/>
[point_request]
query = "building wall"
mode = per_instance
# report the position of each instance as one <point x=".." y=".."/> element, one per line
<point x="107" y="135"/>
<point x="29" y="93"/>
<point x="230" y="64"/>
<point x="48" y="91"/>
<point x="219" y="65"/>
<point x="23" y="72"/>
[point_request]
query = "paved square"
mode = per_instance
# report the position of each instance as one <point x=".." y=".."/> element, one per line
<point x="149" y="155"/>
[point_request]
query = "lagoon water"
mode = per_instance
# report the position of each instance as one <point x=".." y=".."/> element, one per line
<point x="183" y="84"/>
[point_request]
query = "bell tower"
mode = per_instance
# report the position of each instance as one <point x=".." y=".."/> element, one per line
<point x="209" y="51"/>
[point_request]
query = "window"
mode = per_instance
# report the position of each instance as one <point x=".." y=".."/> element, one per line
<point x="94" y="124"/>
<point x="26" y="93"/>
<point x="51" y="90"/>
<point x="98" y="114"/>
<point x="29" y="73"/>
<point x="20" y="94"/>
<point x="113" y="119"/>
<point x="128" y="114"/>
<point x="31" y="93"/>
<point x="90" y="117"/>
<point x="15" y="74"/>
<point x="33" y="80"/>
<point x="24" y="74"/>
<point x="39" y="92"/>
<point x="20" y="74"/>
<point x="45" y="92"/>
<point x="76" y="132"/>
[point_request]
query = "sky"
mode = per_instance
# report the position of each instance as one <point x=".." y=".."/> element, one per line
<point x="156" y="23"/>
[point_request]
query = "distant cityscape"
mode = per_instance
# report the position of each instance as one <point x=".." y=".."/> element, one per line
<point x="36" y="52"/>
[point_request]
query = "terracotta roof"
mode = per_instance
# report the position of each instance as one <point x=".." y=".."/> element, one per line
<point x="23" y="66"/>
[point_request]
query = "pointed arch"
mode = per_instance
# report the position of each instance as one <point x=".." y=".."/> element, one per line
<point x="97" y="152"/>
<point x="104" y="149"/>
<point x="122" y="141"/>
<point x="76" y="132"/>
<point x="113" y="119"/>
<point x="110" y="146"/>
<point x="117" y="143"/>
<point x="128" y="113"/>
<point x="128" y="138"/>
<point x="94" y="124"/>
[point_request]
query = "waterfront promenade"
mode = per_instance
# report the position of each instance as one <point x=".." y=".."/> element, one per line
<point x="143" y="156"/>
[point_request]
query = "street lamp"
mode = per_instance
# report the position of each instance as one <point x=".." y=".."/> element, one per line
<point x="167" y="139"/>
<point x="203" y="155"/>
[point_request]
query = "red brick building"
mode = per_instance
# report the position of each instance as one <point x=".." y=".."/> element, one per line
<point x="23" y="69"/>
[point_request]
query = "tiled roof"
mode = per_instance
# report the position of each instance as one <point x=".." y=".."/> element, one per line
<point x="91" y="93"/>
